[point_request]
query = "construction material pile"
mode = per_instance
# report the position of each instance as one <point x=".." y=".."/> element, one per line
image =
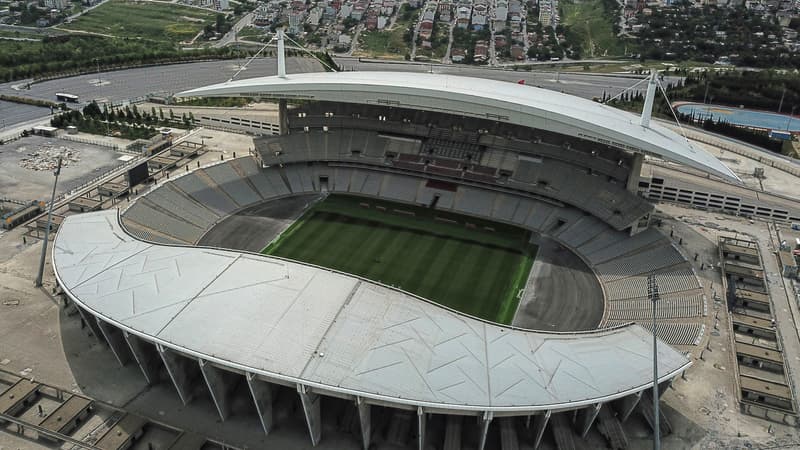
<point x="46" y="157"/>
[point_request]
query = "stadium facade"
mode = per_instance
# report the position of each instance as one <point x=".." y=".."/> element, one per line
<point x="215" y="319"/>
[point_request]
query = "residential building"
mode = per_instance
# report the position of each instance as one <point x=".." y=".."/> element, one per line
<point x="463" y="14"/>
<point x="481" y="51"/>
<point x="479" y="16"/>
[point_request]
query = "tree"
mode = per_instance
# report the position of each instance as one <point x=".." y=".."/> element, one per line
<point x="92" y="109"/>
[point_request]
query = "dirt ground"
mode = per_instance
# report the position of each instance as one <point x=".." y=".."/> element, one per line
<point x="19" y="183"/>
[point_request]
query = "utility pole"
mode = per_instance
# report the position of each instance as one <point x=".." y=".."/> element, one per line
<point x="652" y="292"/>
<point x="780" y="105"/>
<point x="39" y="277"/>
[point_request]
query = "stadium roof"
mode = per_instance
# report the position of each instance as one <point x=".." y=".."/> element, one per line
<point x="477" y="97"/>
<point x="337" y="333"/>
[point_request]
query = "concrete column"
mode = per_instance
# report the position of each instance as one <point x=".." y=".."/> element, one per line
<point x="178" y="373"/>
<point x="586" y="418"/>
<point x="147" y="359"/>
<point x="626" y="405"/>
<point x="312" y="411"/>
<point x="89" y="320"/>
<point x="282" y="55"/>
<point x="420" y="428"/>
<point x="116" y="341"/>
<point x="365" y="420"/>
<point x="635" y="173"/>
<point x="508" y="434"/>
<point x="452" y="433"/>
<point x="663" y="386"/>
<point x="484" y="420"/>
<point x="539" y="425"/>
<point x="220" y="385"/>
<point x="262" y="397"/>
<point x="283" y="118"/>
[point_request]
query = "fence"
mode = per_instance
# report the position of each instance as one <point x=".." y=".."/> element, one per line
<point x="10" y="138"/>
<point x="14" y="201"/>
<point x="96" y="179"/>
<point x="119" y="168"/>
<point x="83" y="140"/>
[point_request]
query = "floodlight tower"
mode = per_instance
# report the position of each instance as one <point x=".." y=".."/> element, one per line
<point x="38" y="282"/>
<point x="652" y="293"/>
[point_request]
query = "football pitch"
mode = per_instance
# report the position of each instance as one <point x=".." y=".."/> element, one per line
<point x="473" y="266"/>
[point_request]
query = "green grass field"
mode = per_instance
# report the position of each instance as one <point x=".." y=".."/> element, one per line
<point x="388" y="43"/>
<point x="153" y="21"/>
<point x="591" y="25"/>
<point x="473" y="266"/>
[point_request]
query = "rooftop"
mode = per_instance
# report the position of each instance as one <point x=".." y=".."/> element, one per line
<point x="339" y="333"/>
<point x="477" y="97"/>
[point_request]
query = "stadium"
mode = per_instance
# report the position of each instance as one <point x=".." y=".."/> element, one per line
<point x="376" y="259"/>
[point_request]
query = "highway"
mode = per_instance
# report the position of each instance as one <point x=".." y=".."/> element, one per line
<point x="118" y="86"/>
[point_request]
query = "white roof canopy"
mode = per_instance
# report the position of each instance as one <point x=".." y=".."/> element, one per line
<point x="483" y="98"/>
<point x="338" y="333"/>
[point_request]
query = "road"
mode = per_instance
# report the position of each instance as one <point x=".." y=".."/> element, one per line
<point x="5" y="38"/>
<point x="447" y="59"/>
<point x="14" y="113"/>
<point x="118" y="86"/>
<point x="84" y="11"/>
<point x="230" y="36"/>
<point x="416" y="33"/>
<point x="31" y="30"/>
<point x="354" y="41"/>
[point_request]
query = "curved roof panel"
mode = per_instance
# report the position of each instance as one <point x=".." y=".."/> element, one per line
<point x="477" y="97"/>
<point x="338" y="333"/>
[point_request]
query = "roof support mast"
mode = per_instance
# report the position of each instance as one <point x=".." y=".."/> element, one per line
<point x="282" y="55"/>
<point x="647" y="111"/>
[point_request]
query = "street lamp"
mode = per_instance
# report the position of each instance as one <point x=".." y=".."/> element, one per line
<point x="99" y="80"/>
<point x="789" y="120"/>
<point x="652" y="293"/>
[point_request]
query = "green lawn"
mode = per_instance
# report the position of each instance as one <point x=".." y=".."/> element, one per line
<point x="251" y="33"/>
<point x="589" y="25"/>
<point x="388" y="43"/>
<point x="153" y="21"/>
<point x="474" y="266"/>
